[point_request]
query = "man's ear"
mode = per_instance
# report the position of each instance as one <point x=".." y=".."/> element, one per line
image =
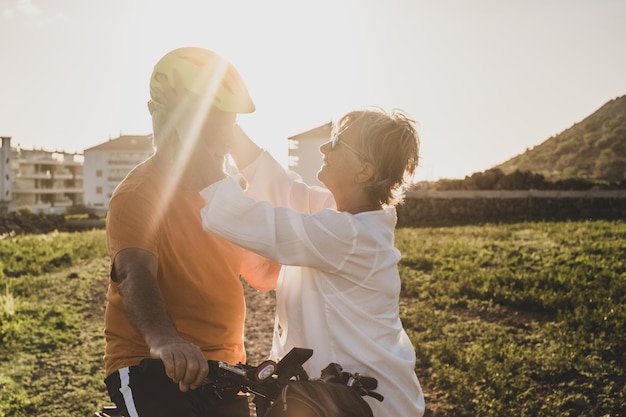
<point x="365" y="172"/>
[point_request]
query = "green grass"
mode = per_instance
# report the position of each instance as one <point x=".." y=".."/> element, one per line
<point x="524" y="319"/>
<point x="51" y="310"/>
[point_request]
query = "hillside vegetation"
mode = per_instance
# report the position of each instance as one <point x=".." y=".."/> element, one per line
<point x="524" y="319"/>
<point x="594" y="148"/>
<point x="589" y="155"/>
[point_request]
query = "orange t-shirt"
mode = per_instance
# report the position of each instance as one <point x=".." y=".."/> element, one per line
<point x="198" y="272"/>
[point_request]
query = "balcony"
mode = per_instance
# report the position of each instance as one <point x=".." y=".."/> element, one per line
<point x="40" y="191"/>
<point x="63" y="175"/>
<point x="34" y="175"/>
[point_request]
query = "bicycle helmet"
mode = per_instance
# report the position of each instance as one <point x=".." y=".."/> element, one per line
<point x="203" y="72"/>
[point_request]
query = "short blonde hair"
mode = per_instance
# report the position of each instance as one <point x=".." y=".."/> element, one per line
<point x="390" y="142"/>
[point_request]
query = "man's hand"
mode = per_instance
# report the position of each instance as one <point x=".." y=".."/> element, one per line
<point x="184" y="363"/>
<point x="135" y="271"/>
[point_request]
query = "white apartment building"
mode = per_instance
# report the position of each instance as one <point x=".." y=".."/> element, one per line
<point x="107" y="164"/>
<point x="44" y="181"/>
<point x="305" y="157"/>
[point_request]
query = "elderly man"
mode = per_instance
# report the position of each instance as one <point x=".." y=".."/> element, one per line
<point x="174" y="290"/>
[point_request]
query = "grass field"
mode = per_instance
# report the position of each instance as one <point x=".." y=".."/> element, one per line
<point x="522" y="319"/>
<point x="525" y="319"/>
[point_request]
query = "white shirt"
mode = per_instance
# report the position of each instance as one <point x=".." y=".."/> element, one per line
<point x="338" y="290"/>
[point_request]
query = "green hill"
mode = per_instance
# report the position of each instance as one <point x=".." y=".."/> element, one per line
<point x="593" y="149"/>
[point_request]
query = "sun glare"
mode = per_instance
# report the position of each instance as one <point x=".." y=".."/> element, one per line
<point x="187" y="120"/>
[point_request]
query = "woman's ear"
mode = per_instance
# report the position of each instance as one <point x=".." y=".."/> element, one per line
<point x="366" y="172"/>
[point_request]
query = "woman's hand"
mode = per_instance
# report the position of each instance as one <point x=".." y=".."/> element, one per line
<point x="205" y="166"/>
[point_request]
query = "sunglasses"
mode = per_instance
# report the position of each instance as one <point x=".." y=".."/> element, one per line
<point x="336" y="140"/>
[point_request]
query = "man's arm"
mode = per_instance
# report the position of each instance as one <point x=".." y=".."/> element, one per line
<point x="261" y="273"/>
<point x="136" y="272"/>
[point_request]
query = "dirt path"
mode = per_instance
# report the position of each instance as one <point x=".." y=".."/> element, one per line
<point x="260" y="308"/>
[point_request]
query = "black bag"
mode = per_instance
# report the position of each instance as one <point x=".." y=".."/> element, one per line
<point x="317" y="398"/>
<point x="335" y="394"/>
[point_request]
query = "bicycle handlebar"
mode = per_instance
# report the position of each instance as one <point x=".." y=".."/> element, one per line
<point x="266" y="380"/>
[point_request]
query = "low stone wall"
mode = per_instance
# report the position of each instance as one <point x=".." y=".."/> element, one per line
<point x="436" y="208"/>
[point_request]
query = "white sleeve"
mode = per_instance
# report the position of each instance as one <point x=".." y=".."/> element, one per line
<point x="323" y="240"/>
<point x="269" y="181"/>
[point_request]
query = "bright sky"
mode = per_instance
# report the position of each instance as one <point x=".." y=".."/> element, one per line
<point x="485" y="79"/>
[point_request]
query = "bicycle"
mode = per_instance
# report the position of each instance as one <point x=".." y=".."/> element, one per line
<point x="278" y="386"/>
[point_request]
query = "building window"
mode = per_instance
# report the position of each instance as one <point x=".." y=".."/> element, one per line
<point x="98" y="173"/>
<point x="98" y="190"/>
<point x="293" y="160"/>
<point x="293" y="144"/>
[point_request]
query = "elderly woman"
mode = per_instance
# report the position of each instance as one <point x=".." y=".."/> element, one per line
<point x="338" y="288"/>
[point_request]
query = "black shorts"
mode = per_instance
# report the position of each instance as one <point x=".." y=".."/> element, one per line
<point x="154" y="394"/>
